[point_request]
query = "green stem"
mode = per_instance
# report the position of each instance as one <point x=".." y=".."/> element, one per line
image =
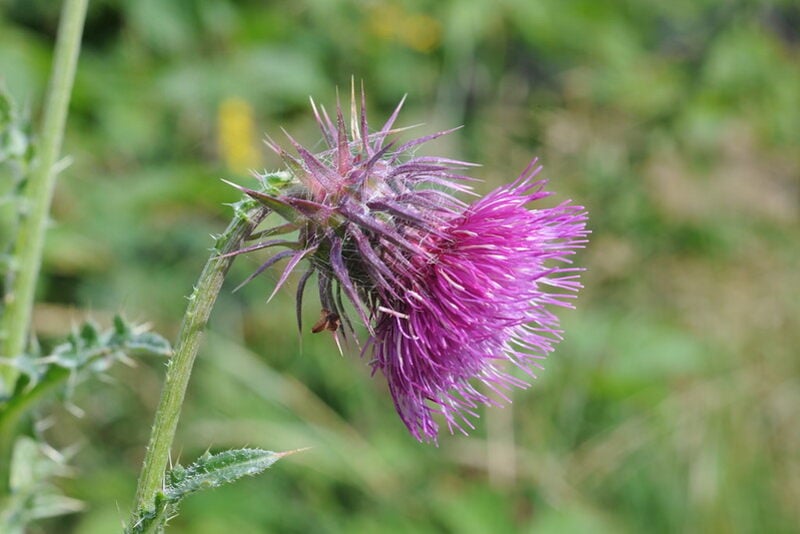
<point x="202" y="300"/>
<point x="39" y="194"/>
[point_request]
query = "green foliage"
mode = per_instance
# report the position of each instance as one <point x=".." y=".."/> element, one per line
<point x="209" y="471"/>
<point x="86" y="349"/>
<point x="32" y="494"/>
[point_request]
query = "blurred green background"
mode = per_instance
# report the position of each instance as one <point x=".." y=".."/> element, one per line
<point x="672" y="405"/>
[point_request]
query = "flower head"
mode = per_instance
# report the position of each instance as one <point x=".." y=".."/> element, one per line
<point x="453" y="295"/>
<point x="478" y="302"/>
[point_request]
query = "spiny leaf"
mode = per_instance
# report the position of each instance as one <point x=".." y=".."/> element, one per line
<point x="87" y="349"/>
<point x="209" y="471"/>
<point x="89" y="345"/>
<point x="212" y="470"/>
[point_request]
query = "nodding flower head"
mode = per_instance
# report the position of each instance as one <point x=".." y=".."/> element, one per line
<point x="450" y="293"/>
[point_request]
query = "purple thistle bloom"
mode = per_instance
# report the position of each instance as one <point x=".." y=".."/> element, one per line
<point x="479" y="300"/>
<point x="450" y="293"/>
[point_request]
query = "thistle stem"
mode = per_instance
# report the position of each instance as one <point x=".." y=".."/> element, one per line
<point x="201" y="302"/>
<point x="39" y="193"/>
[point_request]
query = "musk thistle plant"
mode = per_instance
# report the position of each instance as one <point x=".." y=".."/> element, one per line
<point x="453" y="295"/>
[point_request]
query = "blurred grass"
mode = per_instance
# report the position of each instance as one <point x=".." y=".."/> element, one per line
<point x="671" y="405"/>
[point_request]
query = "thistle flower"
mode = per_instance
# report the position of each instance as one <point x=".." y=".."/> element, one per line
<point x="450" y="293"/>
<point x="478" y="301"/>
